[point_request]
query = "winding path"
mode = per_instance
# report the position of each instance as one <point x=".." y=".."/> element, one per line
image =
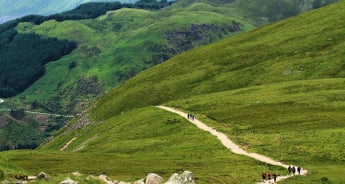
<point x="231" y="145"/>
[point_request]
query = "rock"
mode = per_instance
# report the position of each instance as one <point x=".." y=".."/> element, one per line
<point x="42" y="175"/>
<point x="68" y="181"/>
<point x="142" y="181"/>
<point x="153" y="178"/>
<point x="122" y="182"/>
<point x="106" y="179"/>
<point x="185" y="178"/>
<point x="76" y="174"/>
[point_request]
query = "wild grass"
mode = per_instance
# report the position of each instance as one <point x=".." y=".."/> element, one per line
<point x="299" y="48"/>
<point x="298" y="122"/>
<point x="129" y="146"/>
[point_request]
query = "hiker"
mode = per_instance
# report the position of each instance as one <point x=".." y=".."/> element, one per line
<point x="293" y="170"/>
<point x="299" y="170"/>
<point x="263" y="175"/>
<point x="274" y="177"/>
<point x="188" y="116"/>
<point x="289" y="169"/>
<point x="269" y="176"/>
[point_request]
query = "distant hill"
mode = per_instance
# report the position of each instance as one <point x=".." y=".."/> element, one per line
<point x="19" y="8"/>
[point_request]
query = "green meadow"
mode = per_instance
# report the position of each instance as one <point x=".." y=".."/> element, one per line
<point x="298" y="123"/>
<point x="129" y="146"/>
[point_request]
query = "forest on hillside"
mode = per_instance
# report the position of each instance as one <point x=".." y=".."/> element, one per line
<point x="23" y="56"/>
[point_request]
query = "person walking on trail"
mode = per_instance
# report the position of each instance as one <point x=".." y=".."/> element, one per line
<point x="289" y="169"/>
<point x="269" y="176"/>
<point x="274" y="177"/>
<point x="293" y="170"/>
<point x="264" y="176"/>
<point x="299" y="170"/>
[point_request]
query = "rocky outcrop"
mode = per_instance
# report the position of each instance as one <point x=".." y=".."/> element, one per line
<point x="153" y="178"/>
<point x="196" y="35"/>
<point x="42" y="175"/>
<point x="185" y="178"/>
<point x="68" y="181"/>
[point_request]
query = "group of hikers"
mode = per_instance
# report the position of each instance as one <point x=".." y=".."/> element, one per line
<point x="268" y="176"/>
<point x="190" y="116"/>
<point x="293" y="169"/>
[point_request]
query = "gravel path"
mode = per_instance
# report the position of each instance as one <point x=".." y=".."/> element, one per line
<point x="231" y="145"/>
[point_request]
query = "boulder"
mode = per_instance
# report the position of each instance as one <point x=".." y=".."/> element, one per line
<point x="185" y="178"/>
<point x="153" y="178"/>
<point x="42" y="175"/>
<point x="68" y="181"/>
<point x="142" y="181"/>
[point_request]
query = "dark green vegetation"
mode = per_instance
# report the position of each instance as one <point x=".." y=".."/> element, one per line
<point x="277" y="90"/>
<point x="20" y="130"/>
<point x="23" y="56"/>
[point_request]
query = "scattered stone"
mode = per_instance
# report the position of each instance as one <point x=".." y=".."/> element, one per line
<point x="106" y="179"/>
<point x="76" y="174"/>
<point x="68" y="181"/>
<point x="122" y="182"/>
<point x="42" y="175"/>
<point x="142" y="181"/>
<point x="153" y="178"/>
<point x="32" y="178"/>
<point x="185" y="178"/>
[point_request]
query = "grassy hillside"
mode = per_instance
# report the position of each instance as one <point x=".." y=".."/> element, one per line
<point x="304" y="47"/>
<point x="129" y="146"/>
<point x="118" y="45"/>
<point x="277" y="91"/>
<point x="264" y="11"/>
<point x="297" y="122"/>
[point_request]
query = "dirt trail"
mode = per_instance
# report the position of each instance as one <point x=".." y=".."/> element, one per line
<point x="231" y="145"/>
<point x="67" y="144"/>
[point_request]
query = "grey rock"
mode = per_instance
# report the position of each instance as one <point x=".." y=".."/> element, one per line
<point x="185" y="178"/>
<point x="142" y="181"/>
<point x="153" y="178"/>
<point x="68" y="181"/>
<point x="42" y="175"/>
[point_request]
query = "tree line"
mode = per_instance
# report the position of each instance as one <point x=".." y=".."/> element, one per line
<point x="23" y="56"/>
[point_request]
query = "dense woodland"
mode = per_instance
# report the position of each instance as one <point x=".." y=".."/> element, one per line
<point x="23" y="56"/>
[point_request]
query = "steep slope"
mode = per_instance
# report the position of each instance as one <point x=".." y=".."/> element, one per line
<point x="18" y="8"/>
<point x="118" y="45"/>
<point x="305" y="47"/>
